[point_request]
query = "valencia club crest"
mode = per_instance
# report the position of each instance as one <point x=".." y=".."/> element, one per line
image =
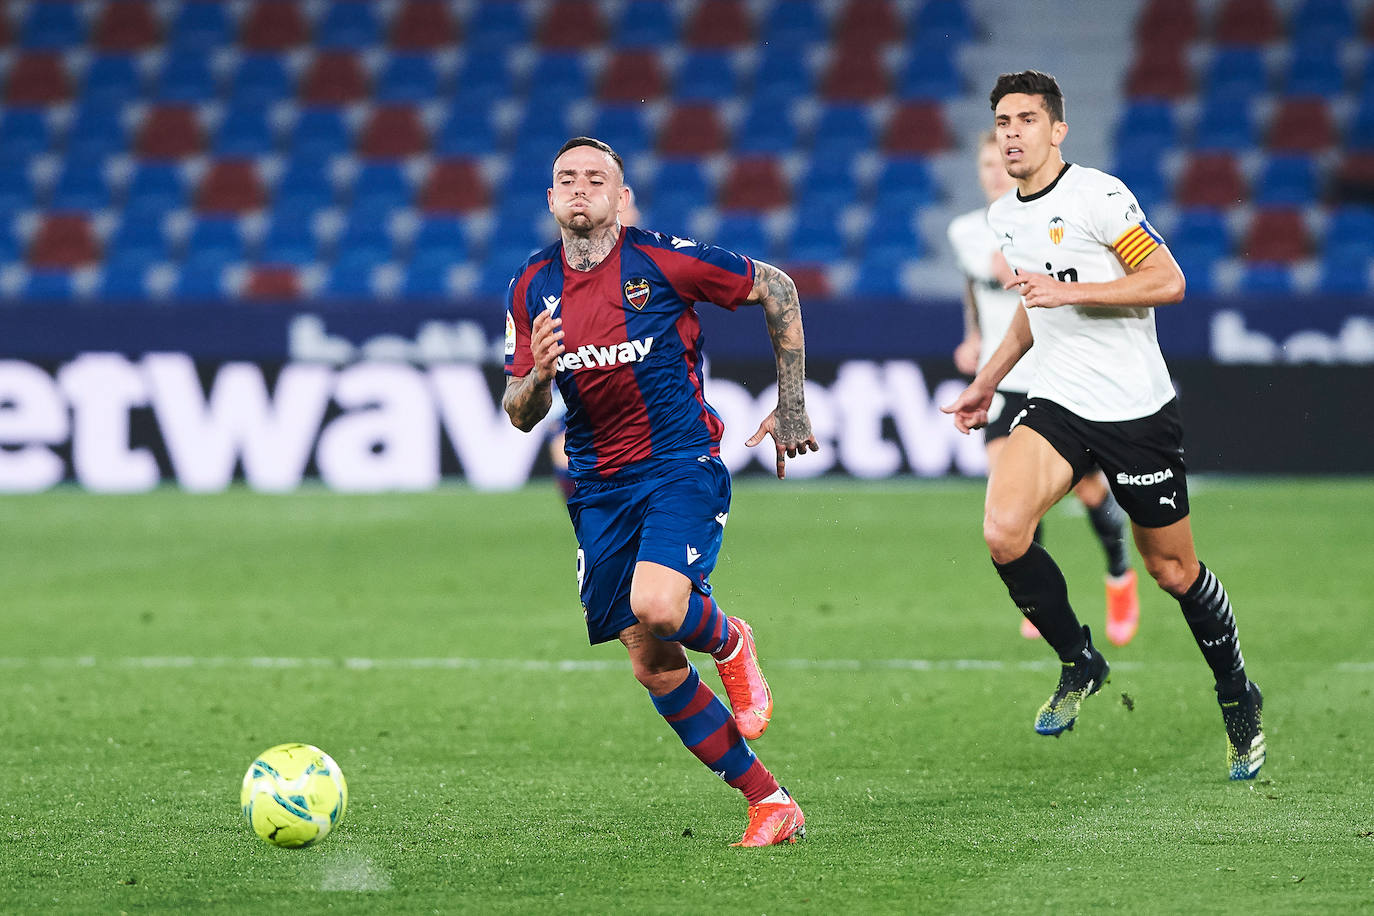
<point x="637" y="292"/>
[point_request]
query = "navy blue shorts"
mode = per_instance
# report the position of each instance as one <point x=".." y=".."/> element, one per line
<point x="674" y="517"/>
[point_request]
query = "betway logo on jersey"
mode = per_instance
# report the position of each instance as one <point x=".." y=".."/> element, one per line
<point x="593" y="357"/>
<point x="1144" y="480"/>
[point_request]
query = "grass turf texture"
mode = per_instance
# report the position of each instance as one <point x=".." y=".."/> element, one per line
<point x="434" y="646"/>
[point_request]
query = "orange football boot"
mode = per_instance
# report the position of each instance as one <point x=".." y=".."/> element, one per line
<point x="750" y="699"/>
<point x="1123" y="608"/>
<point x="772" y="824"/>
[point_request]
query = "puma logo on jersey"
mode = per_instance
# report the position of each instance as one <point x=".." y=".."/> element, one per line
<point x="1145" y="480"/>
<point x="692" y="555"/>
<point x="594" y="357"/>
<point x="1169" y="500"/>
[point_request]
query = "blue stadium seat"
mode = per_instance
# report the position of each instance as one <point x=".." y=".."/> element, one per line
<point x="320" y="132"/>
<point x="1264" y="279"/>
<point x="1287" y="179"/>
<point x="467" y="130"/>
<point x="215" y="239"/>
<point x="1321" y="22"/>
<point x="427" y="277"/>
<point x="52" y="26"/>
<point x="366" y="236"/>
<point x="24" y="132"/>
<point x="348" y="25"/>
<point x="1344" y="274"/>
<point x="111" y="80"/>
<point x="1235" y="72"/>
<point x="878" y="273"/>
<point x="137" y="242"/>
<point x="517" y="230"/>
<point x="261" y="79"/>
<point x="1147" y="128"/>
<point x="816" y="237"/>
<point x="558" y="77"/>
<point x="782" y="75"/>
<point x="948" y="19"/>
<point x="154" y="189"/>
<point x="827" y="185"/>
<point x="1200" y="236"/>
<point x="304" y="185"/>
<point x="1350" y="232"/>
<point x="351" y="277"/>
<point x="498" y="25"/>
<point x="892" y="234"/>
<point x="408" y="78"/>
<point x="843" y="131"/>
<point x="645" y="24"/>
<point x="484" y="75"/>
<point x="186" y="76"/>
<point x="380" y="187"/>
<point x="494" y="274"/>
<point x="1225" y="123"/>
<point x="201" y="278"/>
<point x="744" y="233"/>
<point x="96" y="130"/>
<point x="1144" y="176"/>
<point x="909" y="181"/>
<point x="626" y="128"/>
<point x="794" y="24"/>
<point x="1314" y="70"/>
<point x="1359" y="133"/>
<point x="540" y="130"/>
<point x="440" y="237"/>
<point x="290" y="238"/>
<point x="245" y="131"/>
<point x="81" y="185"/>
<point x="767" y="127"/>
<point x="679" y="187"/>
<point x="16" y="191"/>
<point x="200" y="27"/>
<point x="48" y="286"/>
<point x="931" y="72"/>
<point x="123" y="281"/>
<point x="705" y="76"/>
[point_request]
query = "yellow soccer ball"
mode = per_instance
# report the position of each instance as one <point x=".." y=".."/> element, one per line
<point x="293" y="795"/>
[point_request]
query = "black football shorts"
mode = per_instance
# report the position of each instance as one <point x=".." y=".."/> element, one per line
<point x="1143" y="459"/>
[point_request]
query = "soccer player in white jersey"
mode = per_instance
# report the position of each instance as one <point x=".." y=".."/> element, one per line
<point x="1090" y="270"/>
<point x="988" y="310"/>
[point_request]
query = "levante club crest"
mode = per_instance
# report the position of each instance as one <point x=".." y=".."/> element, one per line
<point x="637" y="292"/>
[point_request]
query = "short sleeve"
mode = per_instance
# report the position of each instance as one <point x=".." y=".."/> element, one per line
<point x="519" y="360"/>
<point x="705" y="273"/>
<point x="1120" y="223"/>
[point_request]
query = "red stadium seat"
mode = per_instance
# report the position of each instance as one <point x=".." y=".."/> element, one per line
<point x="335" y="78"/>
<point x="572" y="24"/>
<point x="855" y="74"/>
<point x="693" y="130"/>
<point x="632" y="76"/>
<point x="917" y="128"/>
<point x="1246" y="22"/>
<point x="272" y="281"/>
<point x="454" y="186"/>
<point x="1302" y="125"/>
<point x="231" y="186"/>
<point x="38" y="78"/>
<point x="755" y="183"/>
<point x="1276" y="236"/>
<point x="422" y="25"/>
<point x="274" y="26"/>
<point x="1167" y="22"/>
<point x="1353" y="181"/>
<point x="126" y="26"/>
<point x="811" y="279"/>
<point x="393" y="132"/>
<point x="1159" y="72"/>
<point x="64" y="240"/>
<point x="1211" y="180"/>
<point x="719" y="24"/>
<point x="170" y="132"/>
<point x="867" y="25"/>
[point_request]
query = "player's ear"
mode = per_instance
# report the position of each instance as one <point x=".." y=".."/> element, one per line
<point x="1058" y="132"/>
<point x="550" y="193"/>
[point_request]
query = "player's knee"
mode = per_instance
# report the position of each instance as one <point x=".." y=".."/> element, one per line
<point x="1170" y="574"/>
<point x="660" y="610"/>
<point x="1006" y="539"/>
<point x="660" y="680"/>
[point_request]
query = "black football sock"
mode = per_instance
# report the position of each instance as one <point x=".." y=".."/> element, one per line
<point x="1037" y="586"/>
<point x="1207" y="609"/>
<point x="1039" y="536"/>
<point x="1110" y="527"/>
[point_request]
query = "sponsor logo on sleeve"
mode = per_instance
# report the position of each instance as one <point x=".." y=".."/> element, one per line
<point x="510" y="335"/>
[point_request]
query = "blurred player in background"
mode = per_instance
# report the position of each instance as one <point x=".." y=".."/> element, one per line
<point x="988" y="310"/>
<point x="558" y="454"/>
<point x="1090" y="270"/>
<point x="608" y="313"/>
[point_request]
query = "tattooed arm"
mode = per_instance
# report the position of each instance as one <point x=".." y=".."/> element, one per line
<point x="789" y="425"/>
<point x="528" y="398"/>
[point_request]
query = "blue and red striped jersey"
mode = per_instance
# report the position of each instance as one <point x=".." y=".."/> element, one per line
<point x="631" y="374"/>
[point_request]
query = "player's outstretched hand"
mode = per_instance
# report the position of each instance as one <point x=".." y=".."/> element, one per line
<point x="970" y="409"/>
<point x="791" y="438"/>
<point x="546" y="344"/>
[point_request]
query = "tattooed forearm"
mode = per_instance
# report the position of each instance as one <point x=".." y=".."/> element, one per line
<point x="778" y="295"/>
<point x="527" y="400"/>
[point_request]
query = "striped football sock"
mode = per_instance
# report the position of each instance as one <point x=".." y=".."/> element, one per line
<point x="1207" y="608"/>
<point x="708" y="730"/>
<point x="706" y="628"/>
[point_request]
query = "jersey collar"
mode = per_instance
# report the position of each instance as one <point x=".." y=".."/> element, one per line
<point x="1045" y="190"/>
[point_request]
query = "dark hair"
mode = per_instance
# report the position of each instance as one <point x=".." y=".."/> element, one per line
<point x="1031" y="82"/>
<point x="594" y="144"/>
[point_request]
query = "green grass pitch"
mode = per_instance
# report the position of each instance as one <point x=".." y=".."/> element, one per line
<point x="433" y="644"/>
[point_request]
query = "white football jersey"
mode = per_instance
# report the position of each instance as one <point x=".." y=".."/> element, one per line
<point x="974" y="244"/>
<point x="1101" y="363"/>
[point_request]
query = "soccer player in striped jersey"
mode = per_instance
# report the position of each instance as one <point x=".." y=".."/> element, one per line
<point x="988" y="310"/>
<point x="608" y="314"/>
<point x="1090" y="270"/>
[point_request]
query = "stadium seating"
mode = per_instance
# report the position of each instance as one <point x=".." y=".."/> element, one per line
<point x="320" y="122"/>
